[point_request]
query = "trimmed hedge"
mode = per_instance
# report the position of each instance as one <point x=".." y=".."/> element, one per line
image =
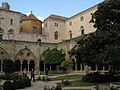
<point x="100" y="78"/>
<point x="20" y="82"/>
<point x="8" y="85"/>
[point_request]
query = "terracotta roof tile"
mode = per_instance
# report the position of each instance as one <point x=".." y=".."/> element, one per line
<point x="57" y="17"/>
<point x="32" y="16"/>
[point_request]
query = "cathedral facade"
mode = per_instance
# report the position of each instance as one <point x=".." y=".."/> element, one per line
<point x="24" y="39"/>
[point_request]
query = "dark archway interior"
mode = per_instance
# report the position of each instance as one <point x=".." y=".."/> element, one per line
<point x="31" y="65"/>
<point x="17" y="65"/>
<point x="24" y="65"/>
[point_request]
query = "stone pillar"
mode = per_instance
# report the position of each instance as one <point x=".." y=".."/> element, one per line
<point x="96" y="68"/>
<point x="1" y="66"/>
<point x="21" y="66"/>
<point x="57" y="68"/>
<point x="50" y="67"/>
<point x="28" y="67"/>
<point x="75" y="66"/>
<point x="81" y="66"/>
<point x="103" y="68"/>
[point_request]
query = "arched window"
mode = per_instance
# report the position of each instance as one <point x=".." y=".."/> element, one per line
<point x="1" y="33"/>
<point x="56" y="35"/>
<point x="82" y="30"/>
<point x="70" y="34"/>
<point x="10" y="34"/>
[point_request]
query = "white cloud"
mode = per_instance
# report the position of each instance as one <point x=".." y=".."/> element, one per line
<point x="39" y="17"/>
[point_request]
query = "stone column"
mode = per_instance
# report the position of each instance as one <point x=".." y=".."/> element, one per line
<point x="81" y="66"/>
<point x="75" y="65"/>
<point x="96" y="68"/>
<point x="28" y="67"/>
<point x="21" y="66"/>
<point x="50" y="67"/>
<point x="103" y="68"/>
<point x="1" y="66"/>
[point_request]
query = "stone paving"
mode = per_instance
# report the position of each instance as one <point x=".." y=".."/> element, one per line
<point x="39" y="85"/>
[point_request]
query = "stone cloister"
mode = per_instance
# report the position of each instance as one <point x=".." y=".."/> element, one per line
<point x="30" y="55"/>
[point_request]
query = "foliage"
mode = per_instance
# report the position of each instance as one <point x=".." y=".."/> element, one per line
<point x="67" y="64"/>
<point x="65" y="82"/>
<point x="103" y="46"/>
<point x="9" y="66"/>
<point x="7" y="76"/>
<point x="107" y="16"/>
<point x="8" y="85"/>
<point x="20" y="81"/>
<point x="100" y="78"/>
<point x="54" y="56"/>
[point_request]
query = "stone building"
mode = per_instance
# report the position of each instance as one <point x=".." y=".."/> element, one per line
<point x="25" y="41"/>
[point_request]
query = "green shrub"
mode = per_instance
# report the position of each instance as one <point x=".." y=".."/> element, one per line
<point x="65" y="82"/>
<point x="8" y="85"/>
<point x="1" y="76"/>
<point x="100" y="78"/>
<point x="7" y="76"/>
<point x="27" y="81"/>
<point x="20" y="81"/>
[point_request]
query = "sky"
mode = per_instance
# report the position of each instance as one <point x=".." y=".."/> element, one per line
<point x="44" y="8"/>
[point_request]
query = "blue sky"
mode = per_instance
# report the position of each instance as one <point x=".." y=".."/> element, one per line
<point x="44" y="8"/>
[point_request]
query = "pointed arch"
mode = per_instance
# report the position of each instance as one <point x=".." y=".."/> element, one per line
<point x="82" y="30"/>
<point x="25" y="54"/>
<point x="3" y="54"/>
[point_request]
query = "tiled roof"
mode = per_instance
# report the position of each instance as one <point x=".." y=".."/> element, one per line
<point x="32" y="16"/>
<point x="57" y="17"/>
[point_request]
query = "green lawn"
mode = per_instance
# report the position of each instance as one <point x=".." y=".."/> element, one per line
<point x="67" y="77"/>
<point x="79" y="83"/>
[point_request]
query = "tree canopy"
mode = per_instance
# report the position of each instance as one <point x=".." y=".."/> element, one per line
<point x="67" y="64"/>
<point x="54" y="56"/>
<point x="102" y="46"/>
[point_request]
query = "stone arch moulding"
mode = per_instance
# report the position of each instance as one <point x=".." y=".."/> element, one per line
<point x="25" y="54"/>
<point x="4" y="54"/>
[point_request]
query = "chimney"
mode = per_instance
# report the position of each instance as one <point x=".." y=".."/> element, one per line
<point x="5" y="5"/>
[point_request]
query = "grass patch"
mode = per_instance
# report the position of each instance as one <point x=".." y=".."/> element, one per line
<point x="79" y="83"/>
<point x="67" y="77"/>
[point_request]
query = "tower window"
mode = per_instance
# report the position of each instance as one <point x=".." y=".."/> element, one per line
<point x="1" y="19"/>
<point x="56" y="35"/>
<point x="56" y="24"/>
<point x="10" y="34"/>
<point x="11" y="22"/>
<point x="82" y="32"/>
<point x="81" y="18"/>
<point x="70" y="23"/>
<point x="70" y="33"/>
<point x="34" y="30"/>
<point x="46" y="25"/>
